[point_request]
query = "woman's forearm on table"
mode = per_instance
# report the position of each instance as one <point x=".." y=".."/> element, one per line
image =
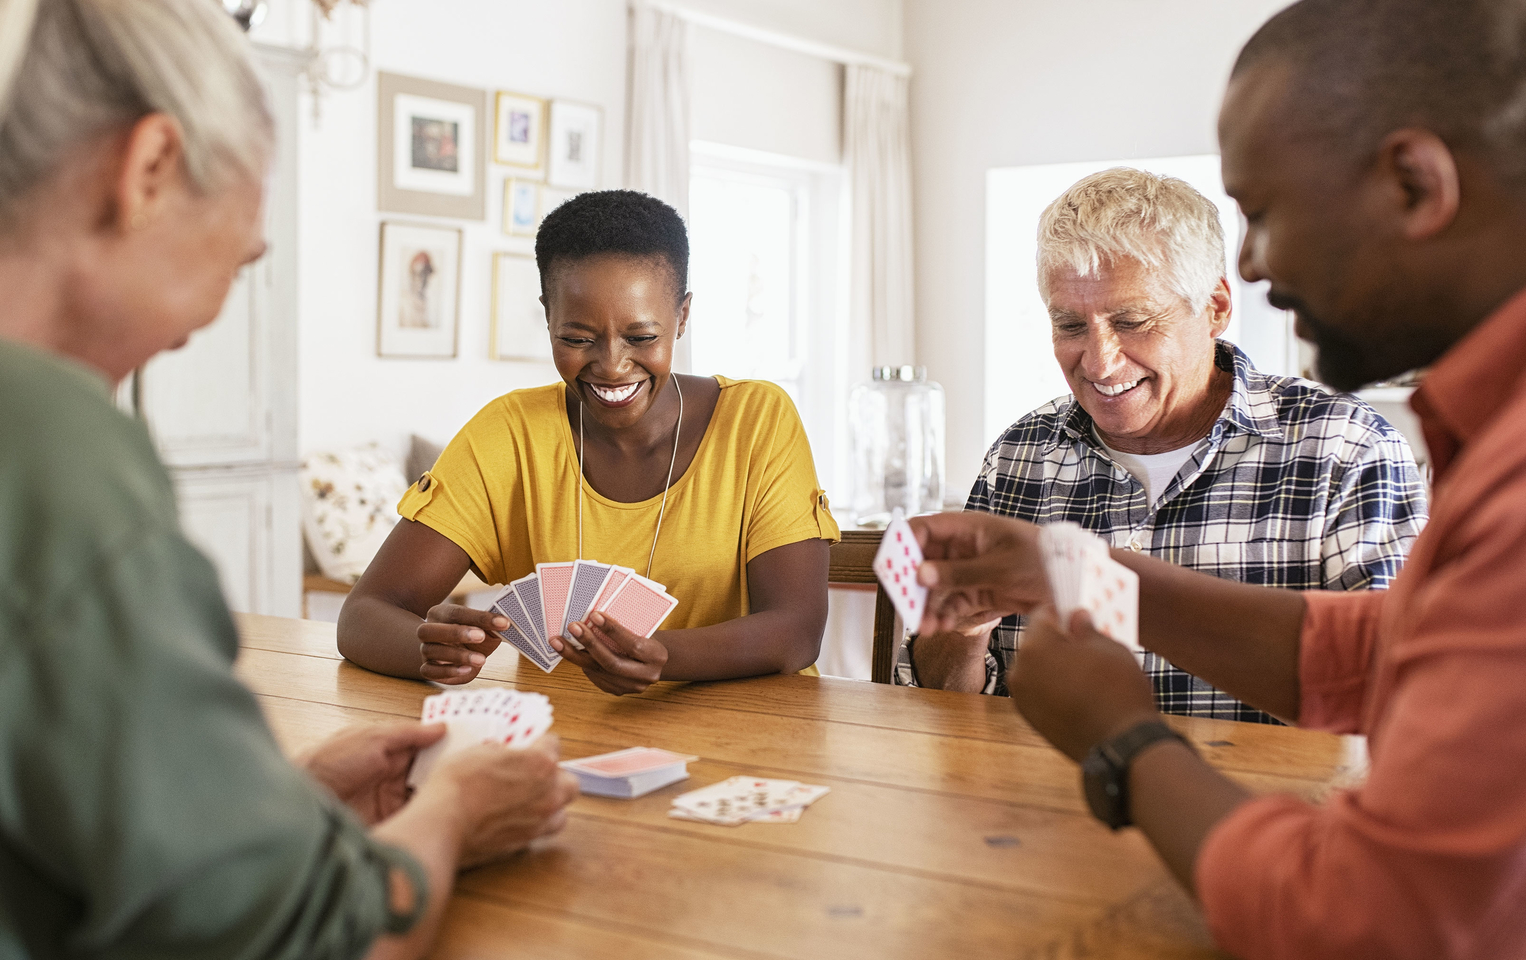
<point x="769" y="641"/>
<point x="380" y="636"/>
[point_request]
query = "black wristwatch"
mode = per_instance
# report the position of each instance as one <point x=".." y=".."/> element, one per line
<point x="1105" y="771"/>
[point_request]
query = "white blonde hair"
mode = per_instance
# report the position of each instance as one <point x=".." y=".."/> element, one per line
<point x="89" y="67"/>
<point x="1162" y="222"/>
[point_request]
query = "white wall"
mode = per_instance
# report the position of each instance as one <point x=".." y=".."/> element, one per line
<point x="1011" y="82"/>
<point x="573" y="49"/>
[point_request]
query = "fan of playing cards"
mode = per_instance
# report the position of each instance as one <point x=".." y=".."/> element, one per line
<point x="1084" y="576"/>
<point x="510" y="717"/>
<point x="541" y="605"/>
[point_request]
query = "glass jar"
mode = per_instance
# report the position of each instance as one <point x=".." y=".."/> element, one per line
<point x="896" y="422"/>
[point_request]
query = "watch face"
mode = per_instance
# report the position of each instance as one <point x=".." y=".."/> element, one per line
<point x="1104" y="790"/>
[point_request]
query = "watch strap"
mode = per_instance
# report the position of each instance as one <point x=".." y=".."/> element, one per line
<point x="1105" y="771"/>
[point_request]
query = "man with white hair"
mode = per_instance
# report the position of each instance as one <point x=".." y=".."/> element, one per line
<point x="1171" y="443"/>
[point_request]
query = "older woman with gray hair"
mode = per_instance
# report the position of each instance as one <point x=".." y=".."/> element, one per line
<point x="145" y="809"/>
<point x="1170" y="442"/>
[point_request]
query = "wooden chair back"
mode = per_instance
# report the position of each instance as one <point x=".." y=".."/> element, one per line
<point x="852" y="562"/>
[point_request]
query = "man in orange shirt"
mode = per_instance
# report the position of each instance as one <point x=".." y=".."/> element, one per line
<point x="1378" y="151"/>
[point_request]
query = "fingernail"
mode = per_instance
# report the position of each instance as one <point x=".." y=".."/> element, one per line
<point x="475" y="634"/>
<point x="927" y="575"/>
<point x="463" y="670"/>
<point x="499" y="623"/>
<point x="477" y="659"/>
<point x="597" y="619"/>
<point x="576" y="629"/>
<point x="556" y="644"/>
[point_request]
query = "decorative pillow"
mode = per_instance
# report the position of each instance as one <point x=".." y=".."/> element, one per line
<point x="349" y="505"/>
<point x="421" y="457"/>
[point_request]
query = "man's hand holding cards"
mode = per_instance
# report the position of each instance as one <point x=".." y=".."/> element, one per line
<point x="1084" y="576"/>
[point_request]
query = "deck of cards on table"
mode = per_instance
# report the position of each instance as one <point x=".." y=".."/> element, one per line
<point x="541" y="605"/>
<point x="1084" y="576"/>
<point x="511" y="717"/>
<point x="747" y="800"/>
<point x="633" y="772"/>
<point x="896" y="565"/>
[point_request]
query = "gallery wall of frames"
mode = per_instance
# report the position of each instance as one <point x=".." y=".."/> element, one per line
<point x="440" y="149"/>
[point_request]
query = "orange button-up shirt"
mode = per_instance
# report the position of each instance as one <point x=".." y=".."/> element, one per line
<point x="1427" y="859"/>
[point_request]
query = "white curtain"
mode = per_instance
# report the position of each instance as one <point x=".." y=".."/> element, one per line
<point x="877" y="151"/>
<point x="657" y="134"/>
<point x="657" y="137"/>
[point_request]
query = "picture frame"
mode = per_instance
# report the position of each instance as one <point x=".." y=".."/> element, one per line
<point x="519" y="130"/>
<point x="575" y="145"/>
<point x="518" y="330"/>
<point x="418" y="300"/>
<point x="522" y="208"/>
<point x="431" y="148"/>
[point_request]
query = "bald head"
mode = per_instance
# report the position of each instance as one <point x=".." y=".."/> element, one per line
<point x="1364" y="68"/>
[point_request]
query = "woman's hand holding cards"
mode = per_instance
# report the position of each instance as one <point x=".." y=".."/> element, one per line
<point x="455" y="642"/>
<point x="616" y="659"/>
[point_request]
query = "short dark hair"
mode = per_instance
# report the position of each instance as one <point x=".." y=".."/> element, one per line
<point x="613" y="222"/>
<point x="1364" y="68"/>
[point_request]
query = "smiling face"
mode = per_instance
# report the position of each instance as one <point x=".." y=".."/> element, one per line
<point x="1137" y="357"/>
<point x="614" y="320"/>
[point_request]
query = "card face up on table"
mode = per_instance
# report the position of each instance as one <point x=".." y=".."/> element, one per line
<point x="896" y="566"/>
<point x="1084" y="576"/>
<point x="511" y="717"/>
<point x="747" y="800"/>
<point x="542" y="605"/>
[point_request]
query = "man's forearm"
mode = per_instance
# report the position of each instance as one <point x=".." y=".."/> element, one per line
<point x="1176" y="798"/>
<point x="949" y="661"/>
<point x="430" y="830"/>
<point x="1243" y="639"/>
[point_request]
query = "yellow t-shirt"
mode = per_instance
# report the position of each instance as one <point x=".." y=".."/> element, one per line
<point x="504" y="491"/>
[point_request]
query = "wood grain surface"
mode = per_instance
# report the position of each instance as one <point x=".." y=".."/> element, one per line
<point x="952" y="829"/>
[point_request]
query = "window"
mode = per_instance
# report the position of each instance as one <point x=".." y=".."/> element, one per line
<point x="1021" y="373"/>
<point x="764" y="233"/>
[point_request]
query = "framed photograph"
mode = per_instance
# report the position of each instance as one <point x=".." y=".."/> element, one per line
<point x="431" y="148"/>
<point x="575" y="146"/>
<point x="519" y="320"/>
<point x="521" y="207"/>
<point x="519" y="124"/>
<point x="417" y="303"/>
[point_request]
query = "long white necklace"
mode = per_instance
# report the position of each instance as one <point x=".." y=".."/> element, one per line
<point x="677" y="432"/>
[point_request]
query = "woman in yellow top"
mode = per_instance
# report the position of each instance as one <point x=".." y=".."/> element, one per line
<point x="706" y="482"/>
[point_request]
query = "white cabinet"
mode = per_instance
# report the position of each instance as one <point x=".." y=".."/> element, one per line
<point x="223" y="409"/>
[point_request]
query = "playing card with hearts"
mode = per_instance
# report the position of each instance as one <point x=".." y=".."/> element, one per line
<point x="741" y="800"/>
<point x="896" y="565"/>
<point x="1084" y="576"/>
<point x="497" y="715"/>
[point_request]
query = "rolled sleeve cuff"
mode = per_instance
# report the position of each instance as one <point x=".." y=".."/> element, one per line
<point x="1335" y="652"/>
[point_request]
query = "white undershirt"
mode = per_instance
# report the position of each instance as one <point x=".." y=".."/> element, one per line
<point x="1154" y="470"/>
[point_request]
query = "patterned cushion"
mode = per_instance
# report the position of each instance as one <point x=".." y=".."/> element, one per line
<point x="349" y="505"/>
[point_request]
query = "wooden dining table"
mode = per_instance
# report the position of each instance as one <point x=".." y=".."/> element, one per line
<point x="951" y="829"/>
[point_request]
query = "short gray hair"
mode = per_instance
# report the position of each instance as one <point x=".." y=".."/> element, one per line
<point x="93" y="66"/>
<point x="1162" y="222"/>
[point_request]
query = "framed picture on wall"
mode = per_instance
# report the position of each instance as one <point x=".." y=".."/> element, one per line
<point x="519" y="320"/>
<point x="418" y="298"/>
<point x="431" y="148"/>
<point x="521" y="207"/>
<point x="575" y="146"/>
<point x="519" y="125"/>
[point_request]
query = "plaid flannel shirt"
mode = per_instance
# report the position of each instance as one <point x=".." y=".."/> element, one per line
<point x="1294" y="487"/>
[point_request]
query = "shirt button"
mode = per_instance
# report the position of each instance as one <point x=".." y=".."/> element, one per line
<point x="1137" y="543"/>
